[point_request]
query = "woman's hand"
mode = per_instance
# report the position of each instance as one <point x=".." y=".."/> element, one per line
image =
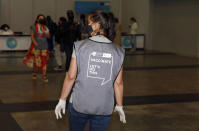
<point x="120" y="110"/>
<point x="67" y="86"/>
<point x="43" y="30"/>
<point x="35" y="44"/>
<point x="60" y="106"/>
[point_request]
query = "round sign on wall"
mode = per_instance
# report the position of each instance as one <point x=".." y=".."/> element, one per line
<point x="127" y="41"/>
<point x="11" y="43"/>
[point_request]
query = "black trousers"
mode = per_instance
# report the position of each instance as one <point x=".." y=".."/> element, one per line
<point x="68" y="50"/>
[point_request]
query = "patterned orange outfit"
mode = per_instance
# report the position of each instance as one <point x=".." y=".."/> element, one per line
<point x="38" y="58"/>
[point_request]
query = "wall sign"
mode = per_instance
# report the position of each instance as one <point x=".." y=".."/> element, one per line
<point x="85" y="7"/>
<point x="11" y="43"/>
<point x="137" y="41"/>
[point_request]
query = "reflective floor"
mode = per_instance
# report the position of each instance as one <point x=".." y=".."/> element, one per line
<point x="161" y="93"/>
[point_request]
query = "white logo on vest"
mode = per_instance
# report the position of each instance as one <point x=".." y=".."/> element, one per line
<point x="100" y="66"/>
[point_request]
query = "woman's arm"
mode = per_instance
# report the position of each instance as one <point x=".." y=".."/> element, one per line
<point x="46" y="31"/>
<point x="33" y="38"/>
<point x="47" y="34"/>
<point x="69" y="79"/>
<point x="118" y="88"/>
<point x="67" y="86"/>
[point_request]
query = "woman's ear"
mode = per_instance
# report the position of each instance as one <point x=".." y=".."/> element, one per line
<point x="96" y="27"/>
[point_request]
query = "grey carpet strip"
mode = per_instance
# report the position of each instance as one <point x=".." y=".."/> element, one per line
<point x="11" y="57"/>
<point x="25" y="72"/>
<point x="127" y="54"/>
<point x="128" y="101"/>
<point x="136" y="54"/>
<point x="126" y="68"/>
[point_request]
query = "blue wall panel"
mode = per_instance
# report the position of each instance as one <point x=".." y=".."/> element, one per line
<point x="85" y="7"/>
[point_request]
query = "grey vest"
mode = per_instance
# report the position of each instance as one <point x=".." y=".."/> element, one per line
<point x="42" y="42"/>
<point x="98" y="67"/>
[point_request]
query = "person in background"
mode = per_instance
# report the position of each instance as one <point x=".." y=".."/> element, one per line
<point x="39" y="35"/>
<point x="72" y="36"/>
<point x="133" y="26"/>
<point x="92" y="99"/>
<point x="133" y="31"/>
<point x="5" y="30"/>
<point x="117" y="28"/>
<point x="60" y="34"/>
<point x="83" y="27"/>
<point x="52" y="27"/>
<point x="117" y="39"/>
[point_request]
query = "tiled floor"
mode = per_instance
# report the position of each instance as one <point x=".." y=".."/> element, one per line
<point x="161" y="93"/>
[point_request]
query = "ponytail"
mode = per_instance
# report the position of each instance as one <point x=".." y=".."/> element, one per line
<point x="111" y="28"/>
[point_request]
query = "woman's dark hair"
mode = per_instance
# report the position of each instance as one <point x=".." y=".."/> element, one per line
<point x="5" y="27"/>
<point x="106" y="22"/>
<point x="83" y="18"/>
<point x="133" y="19"/>
<point x="48" y="18"/>
<point x="63" y="19"/>
<point x="116" y="20"/>
<point x="36" y="21"/>
<point x="111" y="15"/>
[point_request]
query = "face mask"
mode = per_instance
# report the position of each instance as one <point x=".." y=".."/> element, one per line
<point x="42" y="21"/>
<point x="98" y="33"/>
<point x="90" y="30"/>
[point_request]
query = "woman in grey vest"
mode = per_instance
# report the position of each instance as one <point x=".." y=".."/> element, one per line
<point x="95" y="74"/>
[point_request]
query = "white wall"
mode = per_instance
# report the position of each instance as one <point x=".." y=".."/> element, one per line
<point x="5" y="11"/>
<point x="0" y="13"/>
<point x="141" y="10"/>
<point x="138" y="9"/>
<point x="175" y="26"/>
<point x="20" y="14"/>
<point x="46" y="7"/>
<point x="20" y="18"/>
